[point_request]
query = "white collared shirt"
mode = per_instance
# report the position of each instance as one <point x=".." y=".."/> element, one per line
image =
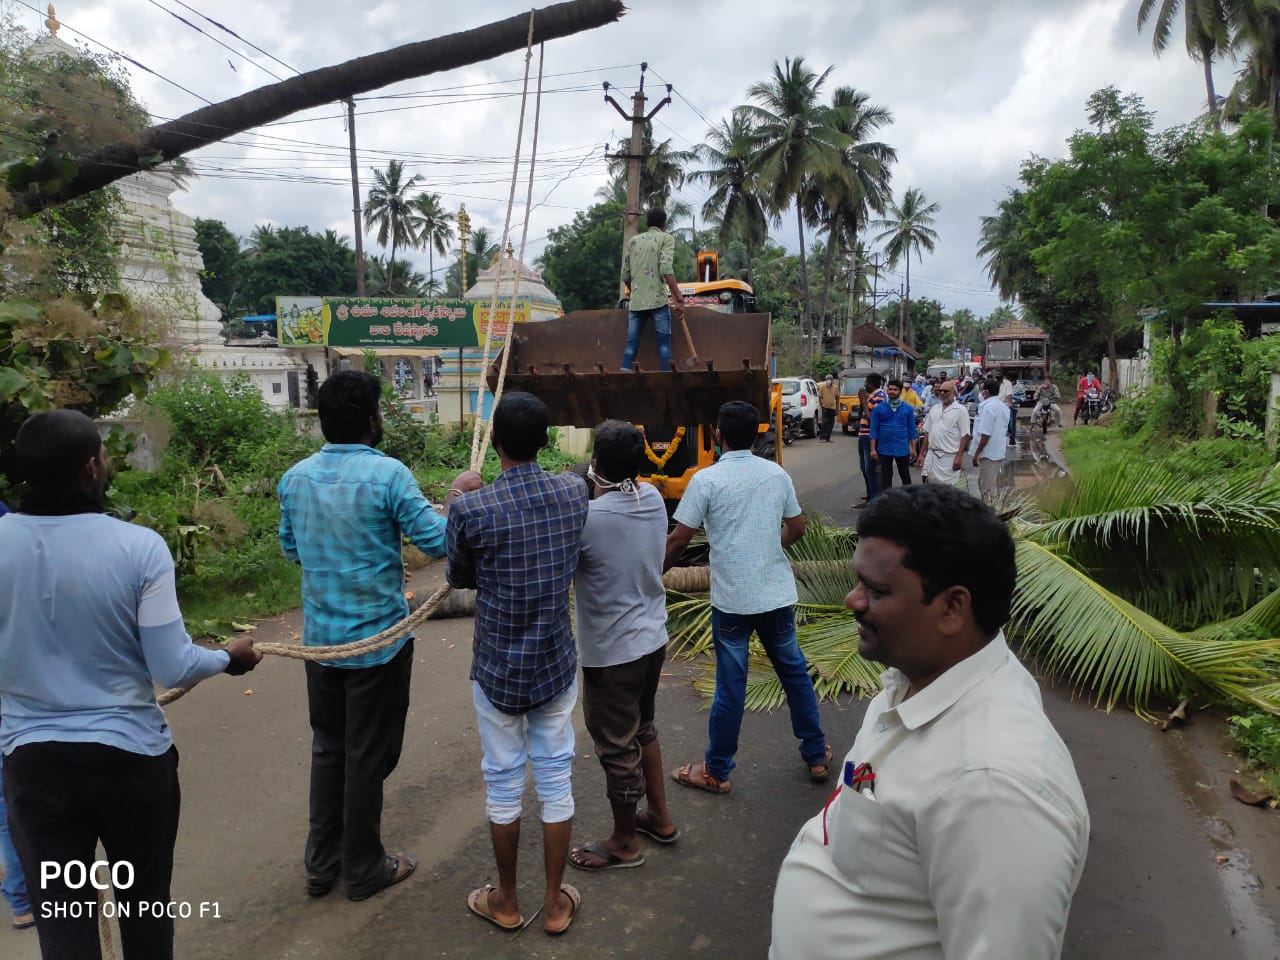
<point x="993" y="423"/>
<point x="973" y="845"/>
<point x="947" y="425"/>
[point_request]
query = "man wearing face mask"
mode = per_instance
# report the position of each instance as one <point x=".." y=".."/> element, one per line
<point x="622" y="643"/>
<point x="959" y="828"/>
<point x="343" y="512"/>
<point x="89" y="623"/>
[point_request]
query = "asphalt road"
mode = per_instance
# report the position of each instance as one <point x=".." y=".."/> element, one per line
<point x="1152" y="889"/>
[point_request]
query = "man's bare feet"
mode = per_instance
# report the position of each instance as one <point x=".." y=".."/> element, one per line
<point x="561" y="909"/>
<point x="663" y="830"/>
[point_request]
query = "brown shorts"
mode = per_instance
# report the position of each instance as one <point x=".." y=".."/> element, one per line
<point x="618" y="705"/>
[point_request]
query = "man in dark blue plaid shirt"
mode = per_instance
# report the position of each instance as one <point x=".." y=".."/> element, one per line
<point x="516" y="543"/>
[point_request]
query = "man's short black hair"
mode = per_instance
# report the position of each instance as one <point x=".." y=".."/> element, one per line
<point x="738" y="422"/>
<point x="346" y="401"/>
<point x="992" y="386"/>
<point x="51" y="447"/>
<point x="1011" y="376"/>
<point x="873" y="381"/>
<point x="618" y="450"/>
<point x="895" y="382"/>
<point x="975" y="552"/>
<point x="656" y="217"/>
<point x="520" y="425"/>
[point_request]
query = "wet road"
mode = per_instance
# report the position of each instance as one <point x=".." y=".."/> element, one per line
<point x="1152" y="889"/>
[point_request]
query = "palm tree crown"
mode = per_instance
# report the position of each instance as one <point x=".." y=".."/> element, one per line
<point x="735" y="198"/>
<point x="1207" y="25"/>
<point x="390" y="210"/>
<point x="433" y="225"/>
<point x="796" y="137"/>
<point x="908" y="229"/>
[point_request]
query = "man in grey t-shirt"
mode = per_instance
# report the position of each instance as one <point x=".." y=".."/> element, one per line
<point x="622" y="642"/>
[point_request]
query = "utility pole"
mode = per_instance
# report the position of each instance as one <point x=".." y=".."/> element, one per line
<point x="634" y="156"/>
<point x="355" y="196"/>
<point x="846" y="346"/>
<point x="902" y="319"/>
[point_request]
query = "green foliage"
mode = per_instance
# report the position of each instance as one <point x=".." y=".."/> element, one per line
<point x="582" y="262"/>
<point x="216" y="420"/>
<point x="1257" y="735"/>
<point x="826" y="364"/>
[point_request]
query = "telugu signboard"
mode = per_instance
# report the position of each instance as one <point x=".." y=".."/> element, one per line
<point x="385" y="322"/>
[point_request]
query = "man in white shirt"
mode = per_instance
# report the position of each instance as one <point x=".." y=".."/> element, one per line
<point x="959" y="828"/>
<point x="944" y="438"/>
<point x="993" y="441"/>
<point x="622" y="642"/>
<point x="749" y="509"/>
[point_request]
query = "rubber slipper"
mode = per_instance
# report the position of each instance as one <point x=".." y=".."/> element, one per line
<point x="684" y="777"/>
<point x="575" y="901"/>
<point x="24" y="921"/>
<point x="611" y="861"/>
<point x="478" y="903"/>
<point x="821" y="772"/>
<point x="405" y="864"/>
<point x="665" y="839"/>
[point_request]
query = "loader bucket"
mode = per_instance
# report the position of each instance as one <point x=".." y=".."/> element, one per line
<point x="572" y="364"/>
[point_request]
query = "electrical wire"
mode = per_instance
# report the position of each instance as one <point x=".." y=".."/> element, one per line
<point x="183" y="20"/>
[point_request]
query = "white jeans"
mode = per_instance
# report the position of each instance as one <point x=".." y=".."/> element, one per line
<point x="543" y="736"/>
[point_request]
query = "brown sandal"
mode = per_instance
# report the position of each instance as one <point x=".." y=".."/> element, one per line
<point x="685" y="776"/>
<point x="821" y="772"/>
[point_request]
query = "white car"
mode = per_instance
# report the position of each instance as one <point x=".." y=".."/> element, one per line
<point x="801" y="394"/>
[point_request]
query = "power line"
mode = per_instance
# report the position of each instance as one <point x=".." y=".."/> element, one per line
<point x="122" y="56"/>
<point x="228" y="30"/>
<point x="183" y="20"/>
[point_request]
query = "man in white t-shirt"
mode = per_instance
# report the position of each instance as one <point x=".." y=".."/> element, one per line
<point x="959" y="828"/>
<point x="944" y="438"/>
<point x="622" y="643"/>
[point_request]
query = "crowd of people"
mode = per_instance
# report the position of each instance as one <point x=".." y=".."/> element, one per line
<point x="956" y="826"/>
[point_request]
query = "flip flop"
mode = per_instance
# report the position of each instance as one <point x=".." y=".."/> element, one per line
<point x="24" y="921"/>
<point x="478" y="903"/>
<point x="666" y="839"/>
<point x="684" y="777"/>
<point x="575" y="901"/>
<point x="611" y="860"/>
<point x="821" y="772"/>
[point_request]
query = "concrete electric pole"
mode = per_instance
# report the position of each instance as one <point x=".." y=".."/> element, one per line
<point x="635" y="155"/>
<point x="355" y="197"/>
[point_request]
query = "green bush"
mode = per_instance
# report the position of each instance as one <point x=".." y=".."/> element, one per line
<point x="1257" y="735"/>
<point x="216" y="420"/>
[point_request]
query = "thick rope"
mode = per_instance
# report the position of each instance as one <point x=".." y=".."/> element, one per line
<point x="480" y="439"/>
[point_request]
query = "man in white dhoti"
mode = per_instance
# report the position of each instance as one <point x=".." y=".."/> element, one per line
<point x="944" y="438"/>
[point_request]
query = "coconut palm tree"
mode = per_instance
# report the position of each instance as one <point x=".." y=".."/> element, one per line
<point x="1135" y="582"/>
<point x="399" y="280"/>
<point x="390" y="210"/>
<point x="661" y="173"/>
<point x="735" y="198"/>
<point x="1206" y="32"/>
<point x="908" y="229"/>
<point x="1258" y="33"/>
<point x="843" y="197"/>
<point x="796" y="138"/>
<point x="997" y="239"/>
<point x="433" y="224"/>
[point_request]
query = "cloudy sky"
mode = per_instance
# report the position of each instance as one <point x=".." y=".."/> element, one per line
<point x="975" y="86"/>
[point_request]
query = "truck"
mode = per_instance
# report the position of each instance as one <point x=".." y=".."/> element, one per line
<point x="1022" y="349"/>
<point x="571" y="364"/>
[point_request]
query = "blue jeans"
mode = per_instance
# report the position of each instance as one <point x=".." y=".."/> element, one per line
<point x="731" y="633"/>
<point x="870" y="471"/>
<point x="636" y="319"/>
<point x="543" y="737"/>
<point x="14" y="887"/>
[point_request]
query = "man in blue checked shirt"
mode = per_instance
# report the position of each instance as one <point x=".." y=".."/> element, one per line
<point x="516" y="543"/>
<point x="343" y="513"/>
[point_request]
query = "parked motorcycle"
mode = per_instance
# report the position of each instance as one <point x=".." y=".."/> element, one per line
<point x="1091" y="409"/>
<point x="792" y="426"/>
<point x="1109" y="398"/>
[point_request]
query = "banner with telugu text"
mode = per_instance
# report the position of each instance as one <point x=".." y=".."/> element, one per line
<point x="378" y="322"/>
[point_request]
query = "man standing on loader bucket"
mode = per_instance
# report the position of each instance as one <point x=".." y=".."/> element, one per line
<point x="646" y="267"/>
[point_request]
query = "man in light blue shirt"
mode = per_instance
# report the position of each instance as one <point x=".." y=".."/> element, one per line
<point x="343" y="512"/>
<point x="991" y="429"/>
<point x="748" y="507"/>
<point x="89" y="623"/>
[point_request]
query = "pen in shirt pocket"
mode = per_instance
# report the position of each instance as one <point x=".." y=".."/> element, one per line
<point x="861" y="778"/>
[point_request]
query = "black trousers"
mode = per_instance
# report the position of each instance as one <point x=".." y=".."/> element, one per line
<point x="357" y="731"/>
<point x="828" y="422"/>
<point x="618" y="707"/>
<point x="885" y="467"/>
<point x="65" y="797"/>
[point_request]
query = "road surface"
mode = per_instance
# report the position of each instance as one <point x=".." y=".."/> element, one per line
<point x="1152" y="889"/>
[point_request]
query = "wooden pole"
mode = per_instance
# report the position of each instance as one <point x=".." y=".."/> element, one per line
<point x="355" y="196"/>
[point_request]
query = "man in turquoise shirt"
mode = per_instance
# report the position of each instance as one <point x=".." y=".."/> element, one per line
<point x="647" y="268"/>
<point x="343" y="513"/>
<point x="748" y="507"/>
